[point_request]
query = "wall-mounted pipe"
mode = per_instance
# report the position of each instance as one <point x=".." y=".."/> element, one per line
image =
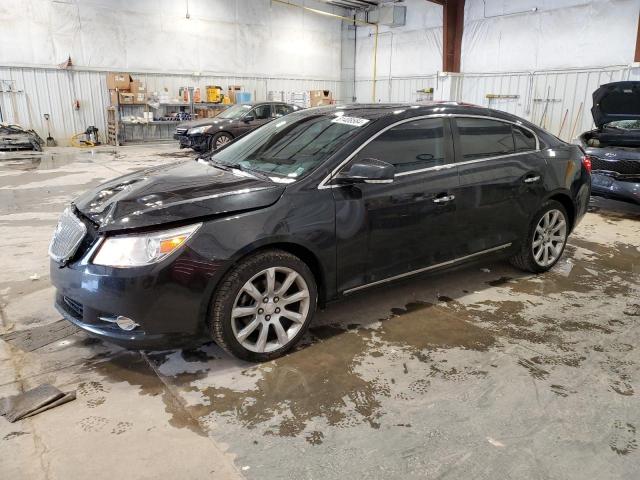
<point x="354" y="20"/>
<point x="390" y="33"/>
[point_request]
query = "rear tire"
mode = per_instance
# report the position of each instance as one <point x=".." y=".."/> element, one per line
<point x="545" y="241"/>
<point x="249" y="328"/>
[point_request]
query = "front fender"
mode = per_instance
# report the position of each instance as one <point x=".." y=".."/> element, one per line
<point x="286" y="225"/>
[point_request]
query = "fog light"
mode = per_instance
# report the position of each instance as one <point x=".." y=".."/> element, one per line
<point x="126" y="323"/>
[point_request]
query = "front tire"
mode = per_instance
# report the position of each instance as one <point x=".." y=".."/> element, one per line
<point x="218" y="140"/>
<point x="263" y="306"/>
<point x="546" y="239"/>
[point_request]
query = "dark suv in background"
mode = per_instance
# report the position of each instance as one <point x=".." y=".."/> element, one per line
<point x="614" y="145"/>
<point x="212" y="133"/>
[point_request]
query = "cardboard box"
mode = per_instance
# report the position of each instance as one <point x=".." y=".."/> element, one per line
<point x="139" y="98"/>
<point x="114" y="97"/>
<point x="136" y="86"/>
<point x="127" y="98"/>
<point x="120" y="81"/>
<point x="231" y="92"/>
<point x="320" y="97"/>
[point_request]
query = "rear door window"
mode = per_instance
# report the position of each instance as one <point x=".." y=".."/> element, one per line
<point x="280" y="110"/>
<point x="412" y="145"/>
<point x="483" y="138"/>
<point x="524" y="140"/>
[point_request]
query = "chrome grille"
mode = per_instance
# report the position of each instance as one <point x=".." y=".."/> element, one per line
<point x="181" y="131"/>
<point x="624" y="167"/>
<point x="67" y="237"/>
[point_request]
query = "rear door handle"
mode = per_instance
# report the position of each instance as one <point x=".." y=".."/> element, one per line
<point x="532" y="179"/>
<point x="444" y="199"/>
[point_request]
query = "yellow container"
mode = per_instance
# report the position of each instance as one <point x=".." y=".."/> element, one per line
<point x="214" y="93"/>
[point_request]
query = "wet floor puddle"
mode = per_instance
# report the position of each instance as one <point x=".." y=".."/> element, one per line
<point x="344" y="374"/>
<point x="134" y="369"/>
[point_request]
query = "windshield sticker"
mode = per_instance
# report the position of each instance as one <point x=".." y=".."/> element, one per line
<point x="353" y="121"/>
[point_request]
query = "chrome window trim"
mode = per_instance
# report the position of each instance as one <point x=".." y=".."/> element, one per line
<point x="426" y="269"/>
<point x="325" y="181"/>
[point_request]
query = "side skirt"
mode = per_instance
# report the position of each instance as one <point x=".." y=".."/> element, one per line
<point x="426" y="269"/>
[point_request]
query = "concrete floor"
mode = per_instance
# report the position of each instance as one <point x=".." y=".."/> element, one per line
<point x="482" y="372"/>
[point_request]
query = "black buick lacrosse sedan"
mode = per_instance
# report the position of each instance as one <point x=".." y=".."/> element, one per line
<point x="242" y="245"/>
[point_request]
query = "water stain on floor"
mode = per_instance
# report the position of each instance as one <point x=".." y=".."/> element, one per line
<point x="343" y="375"/>
<point x="319" y="381"/>
<point x="134" y="369"/>
<point x="323" y="381"/>
<point x="421" y="326"/>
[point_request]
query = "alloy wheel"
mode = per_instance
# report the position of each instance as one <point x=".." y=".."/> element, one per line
<point x="270" y="309"/>
<point x="549" y="238"/>
<point x="222" y="140"/>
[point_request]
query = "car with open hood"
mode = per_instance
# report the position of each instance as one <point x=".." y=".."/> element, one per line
<point x="242" y="245"/>
<point x="14" y="137"/>
<point x="614" y="145"/>
<point x="211" y="133"/>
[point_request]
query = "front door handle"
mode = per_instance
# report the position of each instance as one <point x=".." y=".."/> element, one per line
<point x="444" y="199"/>
<point x="532" y="179"/>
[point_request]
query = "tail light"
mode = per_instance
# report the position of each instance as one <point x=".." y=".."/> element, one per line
<point x="586" y="163"/>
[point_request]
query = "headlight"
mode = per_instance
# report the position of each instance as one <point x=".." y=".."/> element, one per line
<point x="195" y="130"/>
<point x="144" y="249"/>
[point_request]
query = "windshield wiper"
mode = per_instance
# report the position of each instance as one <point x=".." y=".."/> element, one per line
<point x="209" y="159"/>
<point x="236" y="166"/>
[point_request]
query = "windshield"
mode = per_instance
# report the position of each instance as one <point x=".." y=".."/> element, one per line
<point x="292" y="145"/>
<point x="235" y="112"/>
<point x="625" y="124"/>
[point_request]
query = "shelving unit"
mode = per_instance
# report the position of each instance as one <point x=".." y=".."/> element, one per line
<point x="121" y="132"/>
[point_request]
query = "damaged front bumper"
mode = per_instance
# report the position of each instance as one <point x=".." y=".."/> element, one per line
<point x="94" y="297"/>
<point x="615" y="186"/>
<point x="197" y="142"/>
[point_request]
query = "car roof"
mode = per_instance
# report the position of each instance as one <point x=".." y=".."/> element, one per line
<point x="254" y="104"/>
<point x="386" y="112"/>
<point x="375" y="111"/>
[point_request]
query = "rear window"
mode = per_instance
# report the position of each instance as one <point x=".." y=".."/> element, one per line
<point x="281" y="110"/>
<point x="484" y="138"/>
<point x="523" y="139"/>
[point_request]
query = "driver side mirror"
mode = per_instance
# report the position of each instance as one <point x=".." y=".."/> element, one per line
<point x="367" y="170"/>
<point x="248" y="118"/>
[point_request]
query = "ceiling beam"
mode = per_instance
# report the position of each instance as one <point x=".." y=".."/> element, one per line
<point x="637" y="55"/>
<point x="453" y="23"/>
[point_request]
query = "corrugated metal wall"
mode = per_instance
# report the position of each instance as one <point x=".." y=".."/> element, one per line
<point x="37" y="91"/>
<point x="558" y="100"/>
<point x="546" y="98"/>
<point x="394" y="89"/>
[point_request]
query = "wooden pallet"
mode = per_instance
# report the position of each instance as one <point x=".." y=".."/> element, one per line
<point x="112" y="126"/>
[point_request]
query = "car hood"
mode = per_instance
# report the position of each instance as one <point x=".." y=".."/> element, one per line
<point x="616" y="101"/>
<point x="174" y="193"/>
<point x="205" y="122"/>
